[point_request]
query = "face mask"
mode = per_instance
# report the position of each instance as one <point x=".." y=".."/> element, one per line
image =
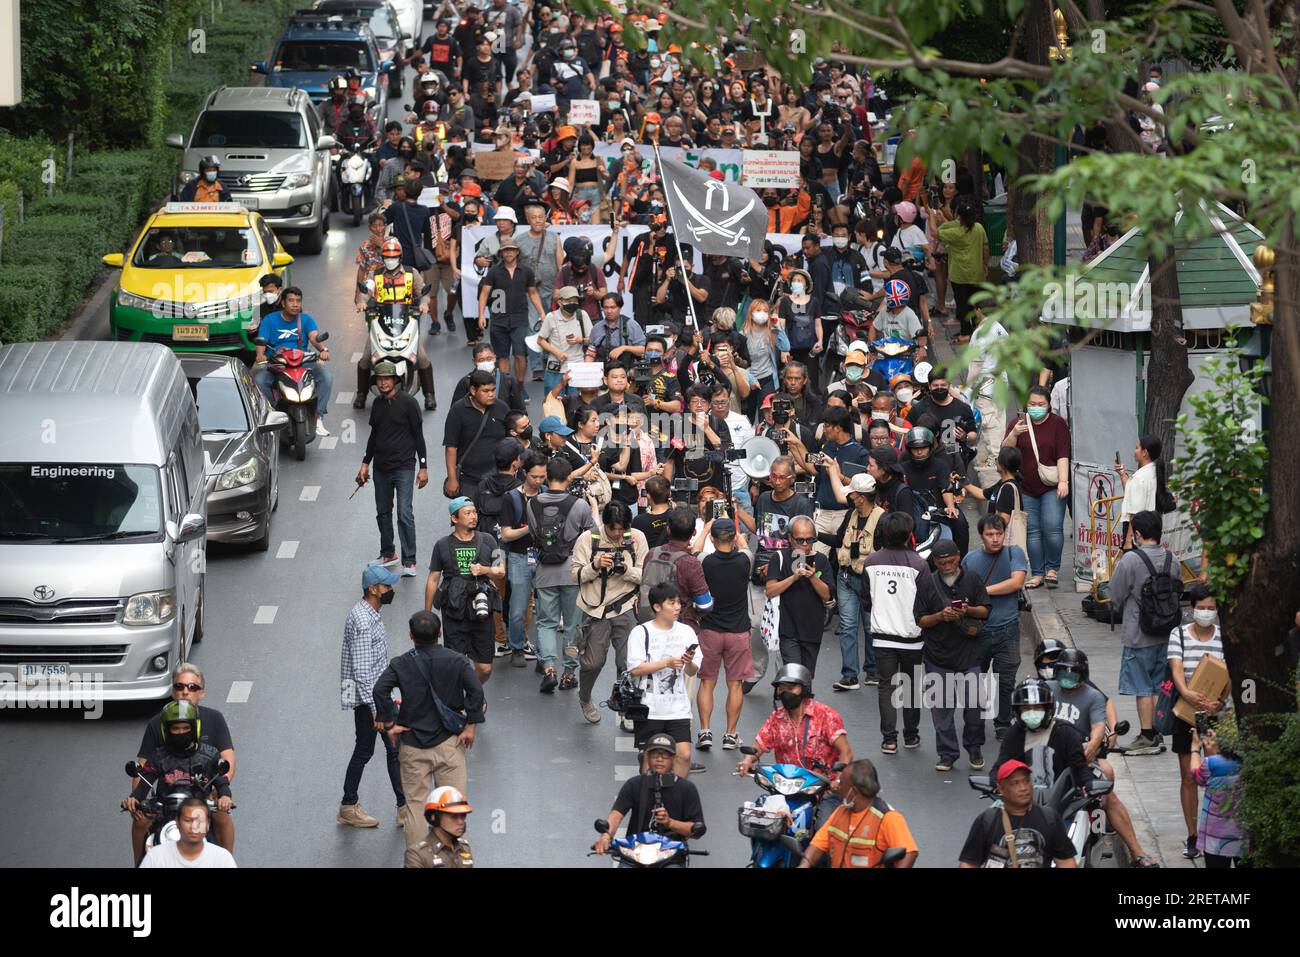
<point x="487" y="366"/>
<point x="391" y="262"/>
<point x="1204" y="616"/>
<point x="614" y="105"/>
<point x="526" y="434"/>
<point x="881" y="416"/>
<point x="653" y="357"/>
<point x="939" y="395"/>
<point x="760" y="317"/>
<point x="570" y="54"/>
<point x="1047" y="674"/>
<point x="797" y="288"/>
<point x="1032" y="719"/>
<point x="904" y="396"/>
<point x="181" y="743"/>
<point x="406" y="154"/>
<point x="1038" y="412"/>
<point x="387" y="597"/>
<point x="791" y="700"/>
<point x="1068" y="681"/>
<point x="569" y="308"/>
<point x="853" y="373"/>
<point x="210" y="176"/>
<point x="270" y="297"/>
<point x="654" y="64"/>
<point x="840" y="242"/>
<point x="950" y="580"/>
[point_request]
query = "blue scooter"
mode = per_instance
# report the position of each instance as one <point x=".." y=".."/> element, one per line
<point x="775" y="839"/>
<point x="650" y="849"/>
<point x="893" y="356"/>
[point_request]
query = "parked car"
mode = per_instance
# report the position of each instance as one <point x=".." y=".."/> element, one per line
<point x="241" y="449"/>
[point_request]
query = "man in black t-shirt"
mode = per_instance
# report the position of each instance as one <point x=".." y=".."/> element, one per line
<point x="928" y="473"/>
<point x="954" y="418"/>
<point x="724" y="633"/>
<point x="802" y="578"/>
<point x="470" y="434"/>
<point x="1038" y="835"/>
<point x="652" y="522"/>
<point x="657" y="800"/>
<point x="464" y="562"/>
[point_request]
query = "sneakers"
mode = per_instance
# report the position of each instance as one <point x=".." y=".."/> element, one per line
<point x="913" y="741"/>
<point x="1190" y="850"/>
<point x="976" y="759"/>
<point x="549" y="682"/>
<point x="944" y="765"/>
<point x="871" y="679"/>
<point x="846" y="684"/>
<point x="698" y="768"/>
<point x="589" y="711"/>
<point x="354" y="815"/>
<point x="389" y="559"/>
<point x="449" y="321"/>
<point x="503" y="650"/>
<point x="530" y="653"/>
<point x="409" y="571"/>
<point x="730" y="741"/>
<point x="517" y="659"/>
<point x="568" y="681"/>
<point x="537" y="375"/>
<point x="1145" y="744"/>
<point x="360" y="401"/>
<point x="321" y="431"/>
<point x="626" y="725"/>
<point x="889" y="747"/>
<point x="434" y="328"/>
<point x="537" y="666"/>
<point x="704" y="740"/>
<point x="999" y="733"/>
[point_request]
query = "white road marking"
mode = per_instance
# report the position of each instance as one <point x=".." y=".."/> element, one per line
<point x="328" y="442"/>
<point x="265" y="614"/>
<point x="344" y="398"/>
<point x="239" y="692"/>
<point x="626" y="744"/>
<point x="309" y="493"/>
<point x="623" y="772"/>
<point x="287" y="550"/>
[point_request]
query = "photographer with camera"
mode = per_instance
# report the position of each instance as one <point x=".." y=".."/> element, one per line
<point x="584" y="277"/>
<point x="722" y="406"/>
<point x="606" y="565"/>
<point x="614" y="337"/>
<point x="657" y="799"/>
<point x="670" y="299"/>
<point x="802" y="579"/>
<point x="465" y="567"/>
<point x="701" y="452"/>
<point x="661" y="653"/>
<point x="777" y="422"/>
<point x="850" y="458"/>
<point x="658" y="387"/>
<point x="563" y="335"/>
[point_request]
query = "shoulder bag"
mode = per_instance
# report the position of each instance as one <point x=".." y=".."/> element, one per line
<point x="419" y="255"/>
<point x="1049" y="475"/>
<point x="1018" y="530"/>
<point x="472" y="442"/>
<point x="454" y="721"/>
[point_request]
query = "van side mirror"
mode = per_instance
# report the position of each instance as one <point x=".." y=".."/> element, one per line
<point x="193" y="527"/>
<point x="175" y="140"/>
<point x="276" y="421"/>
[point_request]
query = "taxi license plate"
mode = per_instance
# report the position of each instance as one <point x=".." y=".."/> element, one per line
<point x="190" y="333"/>
<point x="248" y="202"/>
<point x="39" y="672"/>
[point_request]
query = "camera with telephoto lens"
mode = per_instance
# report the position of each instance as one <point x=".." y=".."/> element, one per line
<point x="686" y="490"/>
<point x="641" y="374"/>
<point x="782" y="409"/>
<point x="480" y="605"/>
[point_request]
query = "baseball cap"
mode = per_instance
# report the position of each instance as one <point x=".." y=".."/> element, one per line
<point x="943" y="547"/>
<point x="899" y="379"/>
<point x="566" y="292"/>
<point x="1010" y="768"/>
<point x="565" y="133"/>
<point x="377" y="574"/>
<point x="862" y="483"/>
<point x="457" y="503"/>
<point x="509" y="243"/>
<point x="723" y="528"/>
<point x="553" y="423"/>
<point x="660" y="742"/>
<point x="857" y="357"/>
<point x="472" y="189"/>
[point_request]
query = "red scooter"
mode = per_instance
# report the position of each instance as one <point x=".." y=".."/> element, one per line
<point x="293" y="392"/>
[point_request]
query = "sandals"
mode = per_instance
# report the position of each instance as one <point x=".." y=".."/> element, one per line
<point x="1145" y="862"/>
<point x="1035" y="582"/>
<point x="1050" y="580"/>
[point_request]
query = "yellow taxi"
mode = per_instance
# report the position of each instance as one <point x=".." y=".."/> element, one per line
<point x="191" y="278"/>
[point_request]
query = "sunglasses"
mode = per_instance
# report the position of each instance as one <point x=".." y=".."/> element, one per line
<point x="803" y="541"/>
<point x="182" y="686"/>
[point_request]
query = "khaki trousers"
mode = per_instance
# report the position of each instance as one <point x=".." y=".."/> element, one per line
<point x="422" y="770"/>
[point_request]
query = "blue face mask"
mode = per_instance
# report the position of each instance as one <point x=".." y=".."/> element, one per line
<point x="1032" y="719"/>
<point x="1038" y="412"/>
<point x="1067" y="680"/>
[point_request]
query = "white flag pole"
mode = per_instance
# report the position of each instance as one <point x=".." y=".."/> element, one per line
<point x="682" y="267"/>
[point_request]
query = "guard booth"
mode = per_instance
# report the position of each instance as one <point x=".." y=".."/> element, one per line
<point x="1111" y="298"/>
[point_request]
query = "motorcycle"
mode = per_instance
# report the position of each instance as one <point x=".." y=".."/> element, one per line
<point x="395" y="337"/>
<point x="854" y="324"/>
<point x="1096" y="845"/>
<point x="893" y="356"/>
<point x="649" y="849"/>
<point x="355" y="189"/>
<point x="164" y="809"/>
<point x="293" y="392"/>
<point x="779" y="824"/>
<point x="932" y="516"/>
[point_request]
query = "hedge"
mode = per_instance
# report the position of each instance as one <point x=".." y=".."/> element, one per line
<point x="31" y="302"/>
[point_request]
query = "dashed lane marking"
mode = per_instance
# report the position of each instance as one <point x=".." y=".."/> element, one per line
<point x="356" y="357"/>
<point x="239" y="692"/>
<point x="287" y="550"/>
<point x="625" y="743"/>
<point x="309" y="493"/>
<point x="344" y="398"/>
<point x="623" y="772"/>
<point x="265" y="614"/>
<point x="329" y="442"/>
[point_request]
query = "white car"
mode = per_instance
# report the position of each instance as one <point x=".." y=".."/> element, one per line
<point x="411" y="15"/>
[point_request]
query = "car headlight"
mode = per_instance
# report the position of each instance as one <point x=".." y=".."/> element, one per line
<point x="188" y="175"/>
<point x="130" y="300"/>
<point x="786" y="785"/>
<point x="294" y="180"/>
<point x="245" y="474"/>
<point x="150" y="608"/>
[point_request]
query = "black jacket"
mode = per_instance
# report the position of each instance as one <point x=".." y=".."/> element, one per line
<point x="1067" y="751"/>
<point x="454" y="680"/>
<point x="170" y="769"/>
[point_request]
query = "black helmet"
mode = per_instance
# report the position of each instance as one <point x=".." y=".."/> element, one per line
<point x="209" y="162"/>
<point x="176" y="712"/>
<point x="1075" y="661"/>
<point x="1032" y="691"/>
<point x="919" y="438"/>
<point x="1045" y="655"/>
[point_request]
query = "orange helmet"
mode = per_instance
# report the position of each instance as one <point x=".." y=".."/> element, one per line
<point x="390" y="248"/>
<point x="446" y="800"/>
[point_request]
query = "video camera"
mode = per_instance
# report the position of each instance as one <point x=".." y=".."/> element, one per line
<point x="686" y="490"/>
<point x="782" y="410"/>
<point x="641" y="374"/>
<point x="626" y="697"/>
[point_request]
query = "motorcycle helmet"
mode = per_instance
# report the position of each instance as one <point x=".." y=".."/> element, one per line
<point x="357" y="104"/>
<point x="1072" y="663"/>
<point x="338" y="84"/>
<point x="209" y="162"/>
<point x="446" y="800"/>
<point x="391" y="247"/>
<point x="794" y="674"/>
<point x="897" y="294"/>
<point x="176" y="712"/>
<point x="1033" y="694"/>
<point x="918" y="438"/>
<point x="1045" y="655"/>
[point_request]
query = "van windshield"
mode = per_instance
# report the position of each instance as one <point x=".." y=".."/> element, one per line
<point x="240" y="129"/>
<point x="66" y="502"/>
<point x="315" y="56"/>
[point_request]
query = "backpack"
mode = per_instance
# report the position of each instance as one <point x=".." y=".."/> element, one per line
<point x="548" y="531"/>
<point x="490" y="502"/>
<point x="660" y="568"/>
<point x="1159" y="610"/>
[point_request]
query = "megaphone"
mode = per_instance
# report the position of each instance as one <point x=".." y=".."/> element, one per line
<point x="531" y="343"/>
<point x="760" y="453"/>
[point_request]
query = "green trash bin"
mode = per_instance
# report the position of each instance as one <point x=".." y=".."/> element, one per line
<point x="995" y="226"/>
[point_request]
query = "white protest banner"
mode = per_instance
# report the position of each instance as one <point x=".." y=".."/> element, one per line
<point x="586" y="375"/>
<point x="542" y="103"/>
<point x="584" y="112"/>
<point x="776" y="169"/>
<point x="599" y="236"/>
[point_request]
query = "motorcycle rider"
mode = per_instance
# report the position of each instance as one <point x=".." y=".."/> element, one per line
<point x="1081" y="704"/>
<point x="356" y="131"/>
<point x="333" y="110"/>
<point x="207" y="186"/>
<point x="178" y="761"/>
<point x="395" y="284"/>
<point x="863" y="827"/>
<point x="1037" y="834"/>
<point x="291" y="328"/>
<point x="1035" y="726"/>
<point x="927" y="475"/>
<point x="1045" y="655"/>
<point x="430" y="89"/>
<point x="446" y="811"/>
<point x="678" y="811"/>
<point x="802" y="730"/>
<point x="896" y="318"/>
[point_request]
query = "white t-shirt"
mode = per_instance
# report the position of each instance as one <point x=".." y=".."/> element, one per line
<point x="988" y="376"/>
<point x="556" y="327"/>
<point x="665" y="689"/>
<point x="1140" y="493"/>
<point x="168" y="854"/>
<point x="912" y="235"/>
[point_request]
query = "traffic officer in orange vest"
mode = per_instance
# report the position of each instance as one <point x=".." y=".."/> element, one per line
<point x="446" y="811"/>
<point x="863" y="827"/>
<point x="207" y="186"/>
<point x="394" y="284"/>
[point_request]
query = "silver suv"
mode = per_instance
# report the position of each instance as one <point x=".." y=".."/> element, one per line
<point x="273" y="156"/>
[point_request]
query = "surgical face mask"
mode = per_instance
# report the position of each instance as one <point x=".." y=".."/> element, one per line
<point x="526" y="433"/>
<point x="654" y="64"/>
<point x="1032" y="719"/>
<point x="790" y="700"/>
<point x="486" y="366"/>
<point x="939" y="395"/>
<point x="881" y="416"/>
<point x="570" y="54"/>
<point x="797" y="288"/>
<point x="210" y="176"/>
<point x="391" y="262"/>
<point x="1205" y="617"/>
<point x="760" y="317"/>
<point x="614" y="105"/>
<point x="1047" y="674"/>
<point x="904" y="396"/>
<point x="840" y="242"/>
<point x="1067" y="680"/>
<point x="853" y="373"/>
<point x="270" y="297"/>
<point x="1037" y="412"/>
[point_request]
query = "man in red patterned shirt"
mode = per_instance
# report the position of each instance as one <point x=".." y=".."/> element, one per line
<point x="801" y="731"/>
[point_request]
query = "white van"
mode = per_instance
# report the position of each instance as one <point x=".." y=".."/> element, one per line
<point x="102" y="519"/>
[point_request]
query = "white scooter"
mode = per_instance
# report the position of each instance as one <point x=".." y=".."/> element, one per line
<point x="354" y="183"/>
<point x="395" y="337"/>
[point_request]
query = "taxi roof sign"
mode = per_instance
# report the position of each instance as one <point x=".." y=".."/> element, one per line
<point x="204" y="208"/>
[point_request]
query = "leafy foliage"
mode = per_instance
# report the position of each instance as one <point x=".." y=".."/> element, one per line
<point x="1268" y="802"/>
